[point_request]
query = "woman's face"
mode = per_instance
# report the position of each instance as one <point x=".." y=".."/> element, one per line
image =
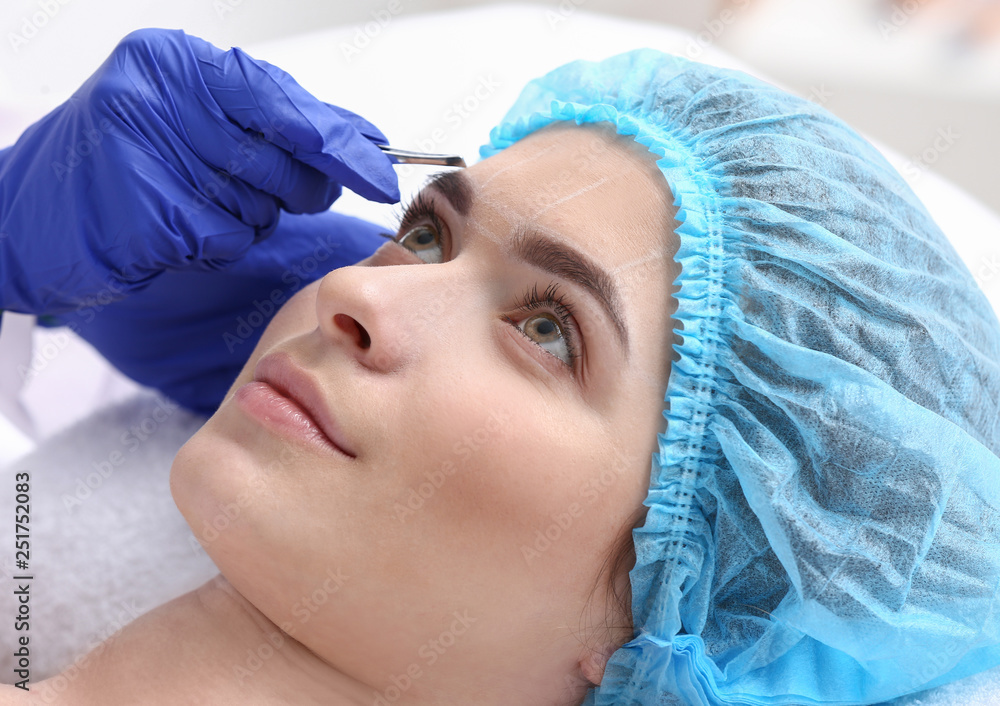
<point x="497" y="451"/>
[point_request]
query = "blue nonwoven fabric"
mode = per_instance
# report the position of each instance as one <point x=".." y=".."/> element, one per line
<point x="823" y="522"/>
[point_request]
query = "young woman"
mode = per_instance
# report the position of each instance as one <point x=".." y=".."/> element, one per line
<point x="819" y="522"/>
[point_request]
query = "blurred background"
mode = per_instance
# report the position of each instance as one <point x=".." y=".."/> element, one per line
<point x="923" y="76"/>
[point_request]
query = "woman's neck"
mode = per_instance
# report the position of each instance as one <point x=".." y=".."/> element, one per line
<point x="208" y="646"/>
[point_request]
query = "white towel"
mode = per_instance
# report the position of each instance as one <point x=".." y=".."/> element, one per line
<point x="981" y="689"/>
<point x="107" y="542"/>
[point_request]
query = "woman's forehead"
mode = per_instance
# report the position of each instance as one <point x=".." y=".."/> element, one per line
<point x="595" y="192"/>
<point x="573" y="152"/>
<point x="599" y="191"/>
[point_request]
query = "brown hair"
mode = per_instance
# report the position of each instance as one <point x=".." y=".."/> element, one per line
<point x="618" y="588"/>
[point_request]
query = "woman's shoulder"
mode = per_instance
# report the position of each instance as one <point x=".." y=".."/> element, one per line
<point x="14" y="696"/>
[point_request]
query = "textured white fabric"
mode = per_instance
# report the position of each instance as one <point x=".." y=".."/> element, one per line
<point x="107" y="541"/>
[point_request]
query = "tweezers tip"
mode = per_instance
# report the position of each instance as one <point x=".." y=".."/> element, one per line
<point x="412" y="157"/>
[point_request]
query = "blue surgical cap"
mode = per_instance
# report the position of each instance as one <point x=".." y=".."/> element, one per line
<point x="823" y="510"/>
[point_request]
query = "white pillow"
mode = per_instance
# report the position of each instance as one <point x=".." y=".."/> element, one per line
<point x="440" y="82"/>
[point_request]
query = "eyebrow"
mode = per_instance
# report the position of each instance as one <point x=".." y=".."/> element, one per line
<point x="553" y="256"/>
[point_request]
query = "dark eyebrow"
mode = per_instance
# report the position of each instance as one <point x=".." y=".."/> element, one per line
<point x="456" y="188"/>
<point x="545" y="253"/>
<point x="562" y="261"/>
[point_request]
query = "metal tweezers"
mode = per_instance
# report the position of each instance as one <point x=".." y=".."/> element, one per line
<point x="411" y="157"/>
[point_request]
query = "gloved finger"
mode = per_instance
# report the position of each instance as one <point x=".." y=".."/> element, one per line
<point x="209" y="202"/>
<point x="199" y="232"/>
<point x="214" y="238"/>
<point x="163" y="68"/>
<point x="243" y="202"/>
<point x="260" y="97"/>
<point x="241" y="155"/>
<point x="360" y="124"/>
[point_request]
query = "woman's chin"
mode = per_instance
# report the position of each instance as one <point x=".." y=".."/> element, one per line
<point x="208" y="478"/>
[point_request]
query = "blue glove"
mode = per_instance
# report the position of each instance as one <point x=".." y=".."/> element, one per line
<point x="173" y="155"/>
<point x="189" y="333"/>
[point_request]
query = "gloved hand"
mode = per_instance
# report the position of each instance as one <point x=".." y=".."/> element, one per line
<point x="189" y="333"/>
<point x="173" y="155"/>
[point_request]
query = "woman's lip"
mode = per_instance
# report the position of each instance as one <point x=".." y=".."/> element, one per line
<point x="283" y="415"/>
<point x="280" y="371"/>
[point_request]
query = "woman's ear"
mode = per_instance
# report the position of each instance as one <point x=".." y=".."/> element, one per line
<point x="593" y="663"/>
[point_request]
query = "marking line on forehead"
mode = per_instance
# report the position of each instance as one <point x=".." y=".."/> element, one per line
<point x="524" y="160"/>
<point x="535" y="248"/>
<point x="576" y="193"/>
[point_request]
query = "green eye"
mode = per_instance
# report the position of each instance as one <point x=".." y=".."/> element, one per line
<point x="424" y="241"/>
<point x="543" y="326"/>
<point x="545" y="329"/>
<point x="553" y="331"/>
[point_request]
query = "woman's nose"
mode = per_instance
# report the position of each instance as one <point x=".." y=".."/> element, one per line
<point x="380" y="314"/>
<point x="353" y="329"/>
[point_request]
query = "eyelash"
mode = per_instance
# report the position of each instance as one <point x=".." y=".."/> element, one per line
<point x="419" y="208"/>
<point x="532" y="302"/>
<point x="422" y="208"/>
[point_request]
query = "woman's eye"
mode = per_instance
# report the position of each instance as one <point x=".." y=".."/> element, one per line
<point x="546" y="331"/>
<point x="424" y="241"/>
<point x="554" y="332"/>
